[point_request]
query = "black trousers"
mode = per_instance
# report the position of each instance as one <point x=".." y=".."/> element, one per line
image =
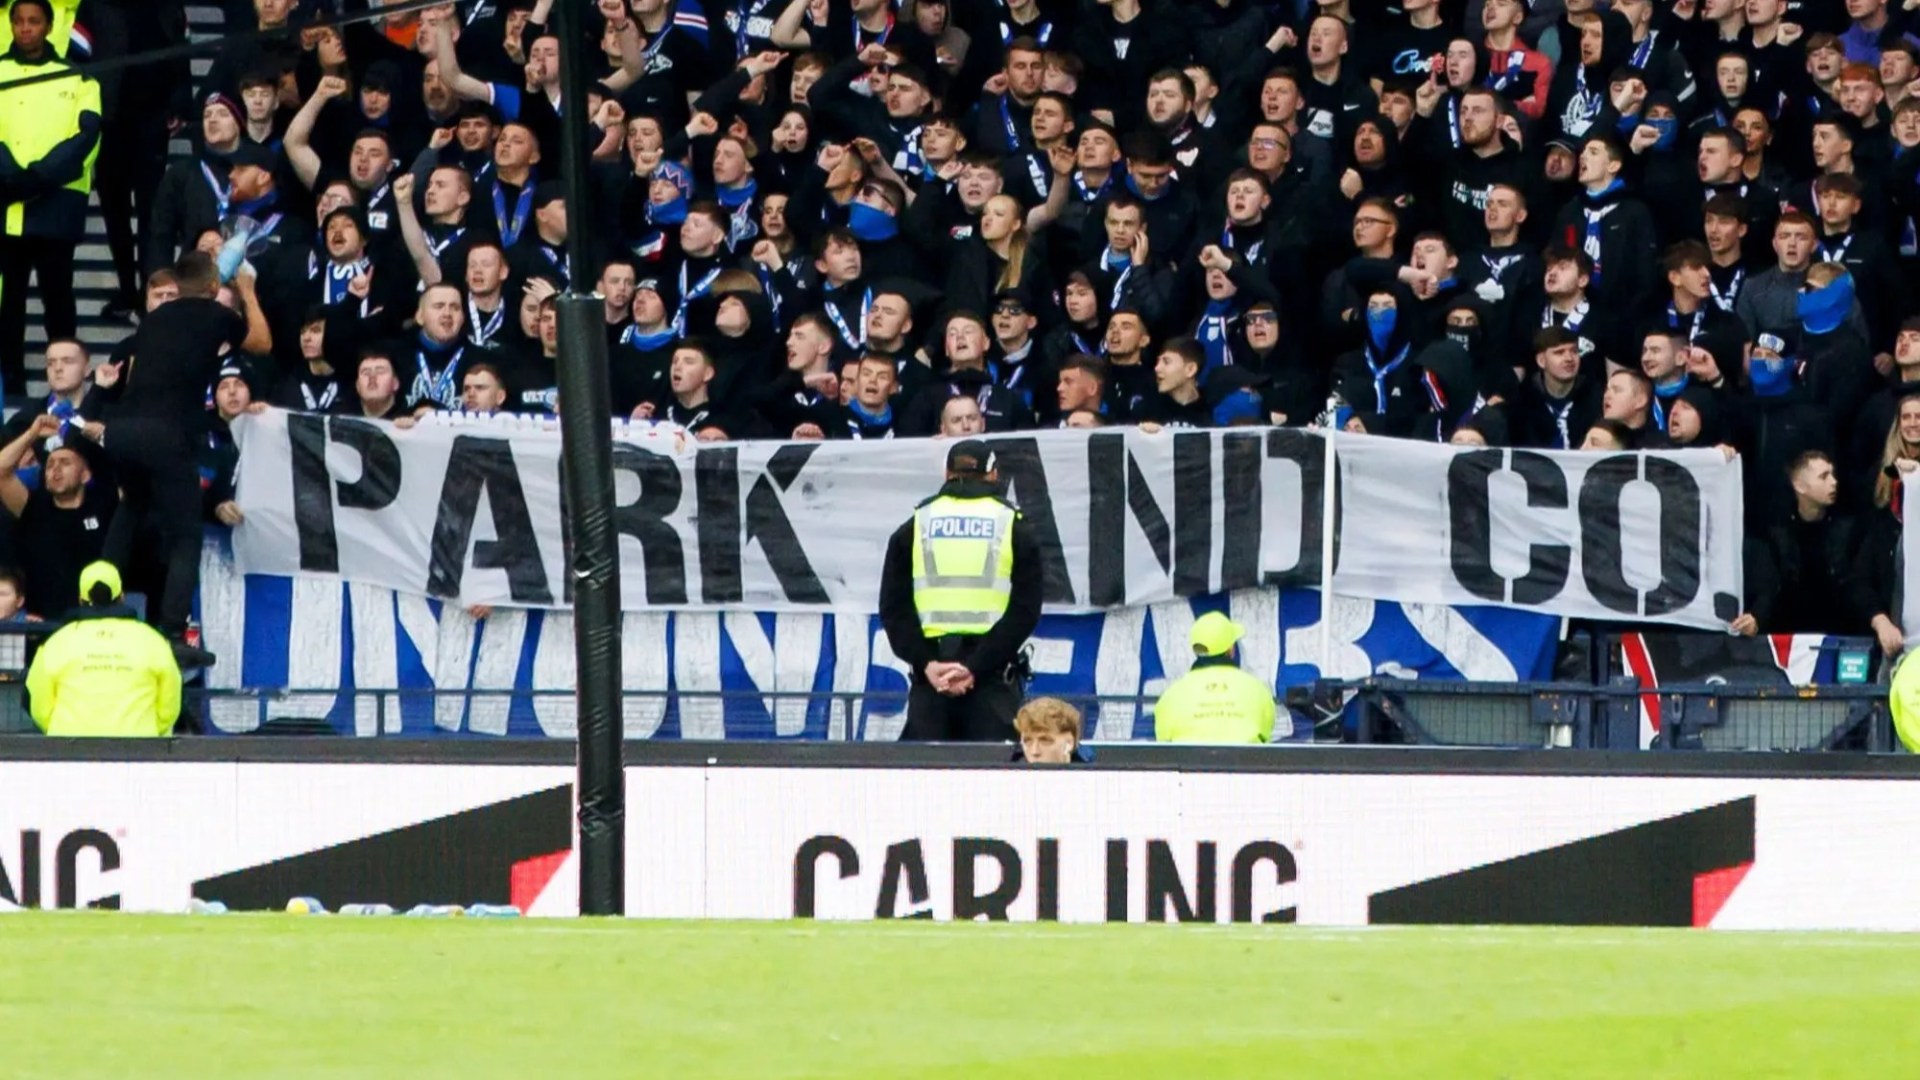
<point x="133" y="155"/>
<point x="49" y="263"/>
<point x="985" y="714"/>
<point x="159" y="486"/>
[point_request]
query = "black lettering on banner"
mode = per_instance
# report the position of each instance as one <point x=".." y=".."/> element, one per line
<point x="315" y="492"/>
<point x="1047" y="880"/>
<point x="645" y="520"/>
<point x="1106" y="490"/>
<point x="67" y="867"/>
<point x="1470" y="517"/>
<point x="1240" y="495"/>
<point x="968" y="903"/>
<point x="1309" y="454"/>
<point x="1116" y="872"/>
<point x="1025" y="476"/>
<point x="29" y="894"/>
<point x="1680" y="554"/>
<point x="806" y="865"/>
<point x="903" y="860"/>
<point x="716" y="485"/>
<point x="767" y="522"/>
<point x="1164" y="884"/>
<point x="312" y="494"/>
<point x="476" y="464"/>
<point x="1192" y="513"/>
<point x="1285" y="872"/>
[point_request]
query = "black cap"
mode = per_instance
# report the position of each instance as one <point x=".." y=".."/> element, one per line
<point x="1014" y="295"/>
<point x="971" y="456"/>
<point x="548" y="193"/>
<point x="253" y="154"/>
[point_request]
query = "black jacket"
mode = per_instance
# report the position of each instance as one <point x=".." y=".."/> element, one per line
<point x="987" y="654"/>
<point x="1819" y="591"/>
<point x="1628" y="263"/>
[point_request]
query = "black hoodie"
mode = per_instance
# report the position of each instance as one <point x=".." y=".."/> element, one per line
<point x="1580" y="92"/>
<point x="1383" y="377"/>
<point x="1616" y="231"/>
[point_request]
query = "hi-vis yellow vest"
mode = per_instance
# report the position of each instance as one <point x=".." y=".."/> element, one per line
<point x="962" y="564"/>
<point x="35" y="119"/>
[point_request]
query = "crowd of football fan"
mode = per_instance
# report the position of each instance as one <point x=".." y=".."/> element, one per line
<point x="1557" y="225"/>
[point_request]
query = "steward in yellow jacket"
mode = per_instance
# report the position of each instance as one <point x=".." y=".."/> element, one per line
<point x="105" y="674"/>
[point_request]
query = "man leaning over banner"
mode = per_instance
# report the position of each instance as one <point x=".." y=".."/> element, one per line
<point x="959" y="594"/>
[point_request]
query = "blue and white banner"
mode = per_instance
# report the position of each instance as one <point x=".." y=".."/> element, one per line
<point x="383" y="655"/>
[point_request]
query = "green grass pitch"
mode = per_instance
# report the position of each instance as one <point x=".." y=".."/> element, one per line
<point x="108" y="995"/>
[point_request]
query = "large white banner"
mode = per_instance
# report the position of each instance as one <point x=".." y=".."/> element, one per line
<point x="1619" y="537"/>
<point x="1090" y="845"/>
<point x="471" y="512"/>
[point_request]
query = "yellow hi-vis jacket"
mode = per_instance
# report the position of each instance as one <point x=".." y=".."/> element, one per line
<point x="962" y="564"/>
<point x="1903" y="698"/>
<point x="52" y="128"/>
<point x="1215" y="703"/>
<point x="105" y="677"/>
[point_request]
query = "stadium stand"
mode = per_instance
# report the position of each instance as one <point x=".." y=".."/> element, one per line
<point x="1557" y="226"/>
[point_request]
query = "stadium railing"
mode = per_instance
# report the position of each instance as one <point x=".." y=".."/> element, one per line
<point x="1608" y="710"/>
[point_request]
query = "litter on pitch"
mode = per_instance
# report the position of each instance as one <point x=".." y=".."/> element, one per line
<point x="305" y="905"/>
<point x="197" y="906"/>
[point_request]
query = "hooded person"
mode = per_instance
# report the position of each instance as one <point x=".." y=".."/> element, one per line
<point x="736" y="322"/>
<point x="1836" y="362"/>
<point x="1777" y="424"/>
<point x="1380" y="376"/>
<point x="1695" y="419"/>
<point x="1452" y="387"/>
<point x="1668" y="170"/>
<point x="1579" y="97"/>
<point x="1376" y="158"/>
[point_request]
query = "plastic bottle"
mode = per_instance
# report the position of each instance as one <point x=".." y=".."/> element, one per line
<point x="197" y="906"/>
<point x="305" y="905"/>
<point x="366" y="909"/>
<point x="436" y="911"/>
<point x="493" y="911"/>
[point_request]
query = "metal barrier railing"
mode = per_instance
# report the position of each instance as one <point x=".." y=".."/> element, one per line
<point x="1614" y="711"/>
<point x="1621" y="715"/>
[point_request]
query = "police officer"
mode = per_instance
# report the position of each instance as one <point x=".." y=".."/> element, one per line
<point x="1215" y="702"/>
<point x="959" y="594"/>
<point x="105" y="673"/>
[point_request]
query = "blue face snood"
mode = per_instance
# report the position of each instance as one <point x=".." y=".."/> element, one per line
<point x="670" y="213"/>
<point x="1380" y="326"/>
<point x="1669" y="129"/>
<point x="1135" y="188"/>
<point x="1823" y="310"/>
<point x="867" y="223"/>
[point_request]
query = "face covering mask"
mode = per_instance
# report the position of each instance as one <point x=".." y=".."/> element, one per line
<point x="1380" y="326"/>
<point x="1669" y="129"/>
<point x="1135" y="188"/>
<point x="1467" y="337"/>
<point x="1824" y="310"/>
<point x="670" y="213"/>
<point x="867" y="223"/>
